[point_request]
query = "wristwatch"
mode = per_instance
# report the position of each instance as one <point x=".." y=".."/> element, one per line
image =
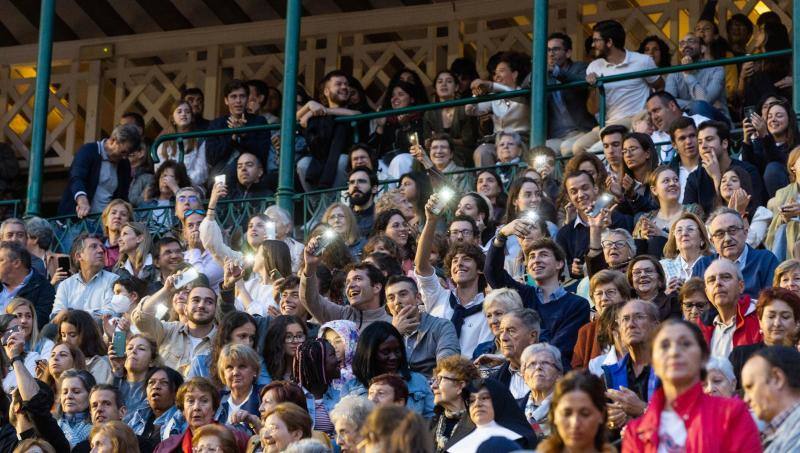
<point x="17" y="357"/>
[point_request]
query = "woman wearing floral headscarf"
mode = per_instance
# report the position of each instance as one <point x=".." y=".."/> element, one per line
<point x="343" y="335"/>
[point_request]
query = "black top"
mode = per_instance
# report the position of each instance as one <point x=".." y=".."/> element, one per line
<point x="740" y="355"/>
<point x="638" y="384"/>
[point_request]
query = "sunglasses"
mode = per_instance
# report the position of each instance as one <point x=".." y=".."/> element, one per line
<point x="189" y="212"/>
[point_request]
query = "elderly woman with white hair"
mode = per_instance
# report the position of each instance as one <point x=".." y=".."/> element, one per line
<point x="720" y="379"/>
<point x="348" y="417"/>
<point x="283" y="232"/>
<point x="541" y="368"/>
<point x="608" y="249"/>
<point x="496" y="304"/>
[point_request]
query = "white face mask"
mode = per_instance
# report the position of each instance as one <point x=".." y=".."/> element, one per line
<point x="119" y="303"/>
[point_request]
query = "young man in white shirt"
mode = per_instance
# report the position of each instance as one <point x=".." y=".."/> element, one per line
<point x="624" y="98"/>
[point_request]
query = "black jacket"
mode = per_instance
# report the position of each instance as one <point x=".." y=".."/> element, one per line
<point x="84" y="174"/>
<point x="39" y="291"/>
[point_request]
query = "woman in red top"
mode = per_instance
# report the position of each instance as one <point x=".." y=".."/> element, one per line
<point x="680" y="415"/>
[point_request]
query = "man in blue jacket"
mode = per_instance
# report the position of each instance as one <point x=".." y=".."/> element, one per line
<point x="100" y="172"/>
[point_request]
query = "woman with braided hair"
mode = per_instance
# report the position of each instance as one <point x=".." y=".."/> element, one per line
<point x="315" y="368"/>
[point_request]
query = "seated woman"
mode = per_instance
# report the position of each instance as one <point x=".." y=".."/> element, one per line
<point x="394" y="225"/>
<point x="129" y="371"/>
<point x="391" y="137"/>
<point x="496" y="304"/>
<point x="170" y="178"/>
<point x="653" y="227"/>
<point x="159" y="418"/>
<point x="63" y="357"/>
<point x="646" y="277"/>
<point x="631" y="189"/>
<point x="116" y="214"/>
<point x="787" y="276"/>
<point x="541" y="367"/>
<point x="284" y="425"/>
<point x="608" y="340"/>
<point x="394" y="199"/>
<point x="198" y="400"/>
<point x="74" y="420"/>
<point x="284" y="225"/>
<point x="237" y="368"/>
<point x="451" y="377"/>
<point x="784" y="233"/>
<point x="491" y="186"/>
<point x="693" y="299"/>
<point x="347" y="417"/>
<point x="678" y="405"/>
<point x="25" y="313"/>
<point x="687" y="242"/>
<point x="508" y="147"/>
<point x="493" y="412"/>
<point x="135" y="254"/>
<point x="381" y="350"/>
<point x="607" y="288"/>
<point x="452" y="121"/>
<point x="341" y="219"/>
<point x="477" y="206"/>
<point x="578" y="393"/>
<point x="78" y="329"/>
<point x="439" y="161"/>
<point x="315" y="368"/>
<point x="235" y="327"/>
<point x="213" y="438"/>
<point x="734" y="192"/>
<point x="769" y="152"/>
<point x="284" y="335"/>
<point x="343" y="335"/>
<point x="194" y="157"/>
<point x="720" y="380"/>
<point x="377" y="430"/>
<point x="416" y="187"/>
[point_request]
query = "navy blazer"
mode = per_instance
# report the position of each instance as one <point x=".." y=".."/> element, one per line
<point x="251" y="405"/>
<point x="221" y="147"/>
<point x="84" y="174"/>
<point x="41" y="293"/>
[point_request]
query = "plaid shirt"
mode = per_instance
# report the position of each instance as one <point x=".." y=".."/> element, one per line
<point x="777" y="421"/>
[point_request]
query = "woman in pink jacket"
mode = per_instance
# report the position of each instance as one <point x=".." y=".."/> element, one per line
<point x="680" y="416"/>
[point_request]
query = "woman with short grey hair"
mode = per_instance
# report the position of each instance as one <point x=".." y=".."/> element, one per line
<point x="348" y="417"/>
<point x="496" y="304"/>
<point x="541" y="368"/>
<point x="283" y="232"/>
<point x="720" y="379"/>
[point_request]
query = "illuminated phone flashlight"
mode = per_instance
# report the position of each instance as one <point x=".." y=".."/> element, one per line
<point x="603" y="201"/>
<point x="325" y="239"/>
<point x="160" y="311"/>
<point x="249" y="258"/>
<point x="413" y="139"/>
<point x="329" y="234"/>
<point x="219" y="179"/>
<point x="530" y="216"/>
<point x="539" y="162"/>
<point x="272" y="229"/>
<point x="444" y="196"/>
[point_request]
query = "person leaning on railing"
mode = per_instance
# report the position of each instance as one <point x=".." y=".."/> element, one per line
<point x="170" y="177"/>
<point x="392" y="138"/>
<point x="194" y="158"/>
<point x="453" y="121"/>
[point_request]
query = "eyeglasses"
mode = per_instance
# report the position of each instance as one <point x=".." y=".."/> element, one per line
<point x="608" y="293"/>
<point x="465" y="233"/>
<point x="641" y="272"/>
<point x="189" y="198"/>
<point x="336" y="217"/>
<point x="294" y="338"/>
<point x="694" y="305"/>
<point x="638" y="317"/>
<point x="731" y="231"/>
<point x="687" y="41"/>
<point x="687" y="230"/>
<point x="543" y="365"/>
<point x="613" y="244"/>
<point x="438" y="379"/>
<point x="189" y="212"/>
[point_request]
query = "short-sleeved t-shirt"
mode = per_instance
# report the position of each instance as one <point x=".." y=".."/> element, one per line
<point x="626" y="97"/>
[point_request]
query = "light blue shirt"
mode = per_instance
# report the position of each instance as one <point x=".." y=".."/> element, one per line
<point x="93" y="296"/>
<point x="6" y="295"/>
<point x="106" y="183"/>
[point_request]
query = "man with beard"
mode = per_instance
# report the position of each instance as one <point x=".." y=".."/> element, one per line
<point x="736" y="321"/>
<point x="562" y="313"/>
<point x="573" y="237"/>
<point x="462" y="305"/>
<point x="728" y="233"/>
<point x="701" y="91"/>
<point x="221" y="149"/>
<point x="160" y="418"/>
<point x="195" y="254"/>
<point x="713" y="139"/>
<point x="249" y="180"/>
<point x="328" y="141"/>
<point x="364" y="287"/>
<point x="664" y="111"/>
<point x="178" y="343"/>
<point x="625" y="98"/>
<point x="362" y="185"/>
<point x="683" y="135"/>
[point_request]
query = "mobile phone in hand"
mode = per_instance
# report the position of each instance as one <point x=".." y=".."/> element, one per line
<point x="7" y="335"/>
<point x="63" y="263"/>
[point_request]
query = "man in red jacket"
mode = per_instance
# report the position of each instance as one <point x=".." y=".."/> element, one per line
<point x="736" y="322"/>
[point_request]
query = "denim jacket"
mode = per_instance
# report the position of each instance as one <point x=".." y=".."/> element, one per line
<point x="420" y="396"/>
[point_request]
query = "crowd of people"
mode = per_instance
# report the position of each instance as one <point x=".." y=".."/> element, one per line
<point x="643" y="297"/>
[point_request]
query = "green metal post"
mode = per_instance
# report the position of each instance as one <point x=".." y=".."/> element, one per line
<point x="39" y="135"/>
<point x="796" y="53"/>
<point x="539" y="74"/>
<point x="291" y="56"/>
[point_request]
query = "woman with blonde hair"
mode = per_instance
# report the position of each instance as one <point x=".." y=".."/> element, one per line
<point x="787" y="276"/>
<point x="341" y="219"/>
<point x="117" y="213"/>
<point x="34" y="445"/>
<point x="783" y="233"/>
<point x="194" y="156"/>
<point x="25" y="312"/>
<point x="113" y="437"/>
<point x="135" y="253"/>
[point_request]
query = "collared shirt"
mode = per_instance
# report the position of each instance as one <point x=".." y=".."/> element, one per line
<point x="557" y="293"/>
<point x="106" y="183"/>
<point x="517" y="384"/>
<point x="437" y="303"/>
<point x="6" y="295"/>
<point x="778" y="420"/>
<point x="638" y="384"/>
<point x="507" y="114"/>
<point x="706" y="84"/>
<point x="92" y="296"/>
<point x="206" y="265"/>
<point x="722" y="337"/>
<point x="148" y="261"/>
<point x="742" y="260"/>
<point x="663" y="142"/>
<point x="627" y="97"/>
<point x="677" y="267"/>
<point x="683" y="176"/>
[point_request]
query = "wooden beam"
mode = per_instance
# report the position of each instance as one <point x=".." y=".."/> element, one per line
<point x="135" y="16"/>
<point x="23" y="30"/>
<point x="257" y="10"/>
<point x="32" y="9"/>
<point x="165" y="14"/>
<point x="317" y="7"/>
<point x="78" y="20"/>
<point x="198" y="13"/>
<point x="228" y="12"/>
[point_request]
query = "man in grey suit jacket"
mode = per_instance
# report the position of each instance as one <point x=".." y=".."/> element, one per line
<point x="427" y="338"/>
